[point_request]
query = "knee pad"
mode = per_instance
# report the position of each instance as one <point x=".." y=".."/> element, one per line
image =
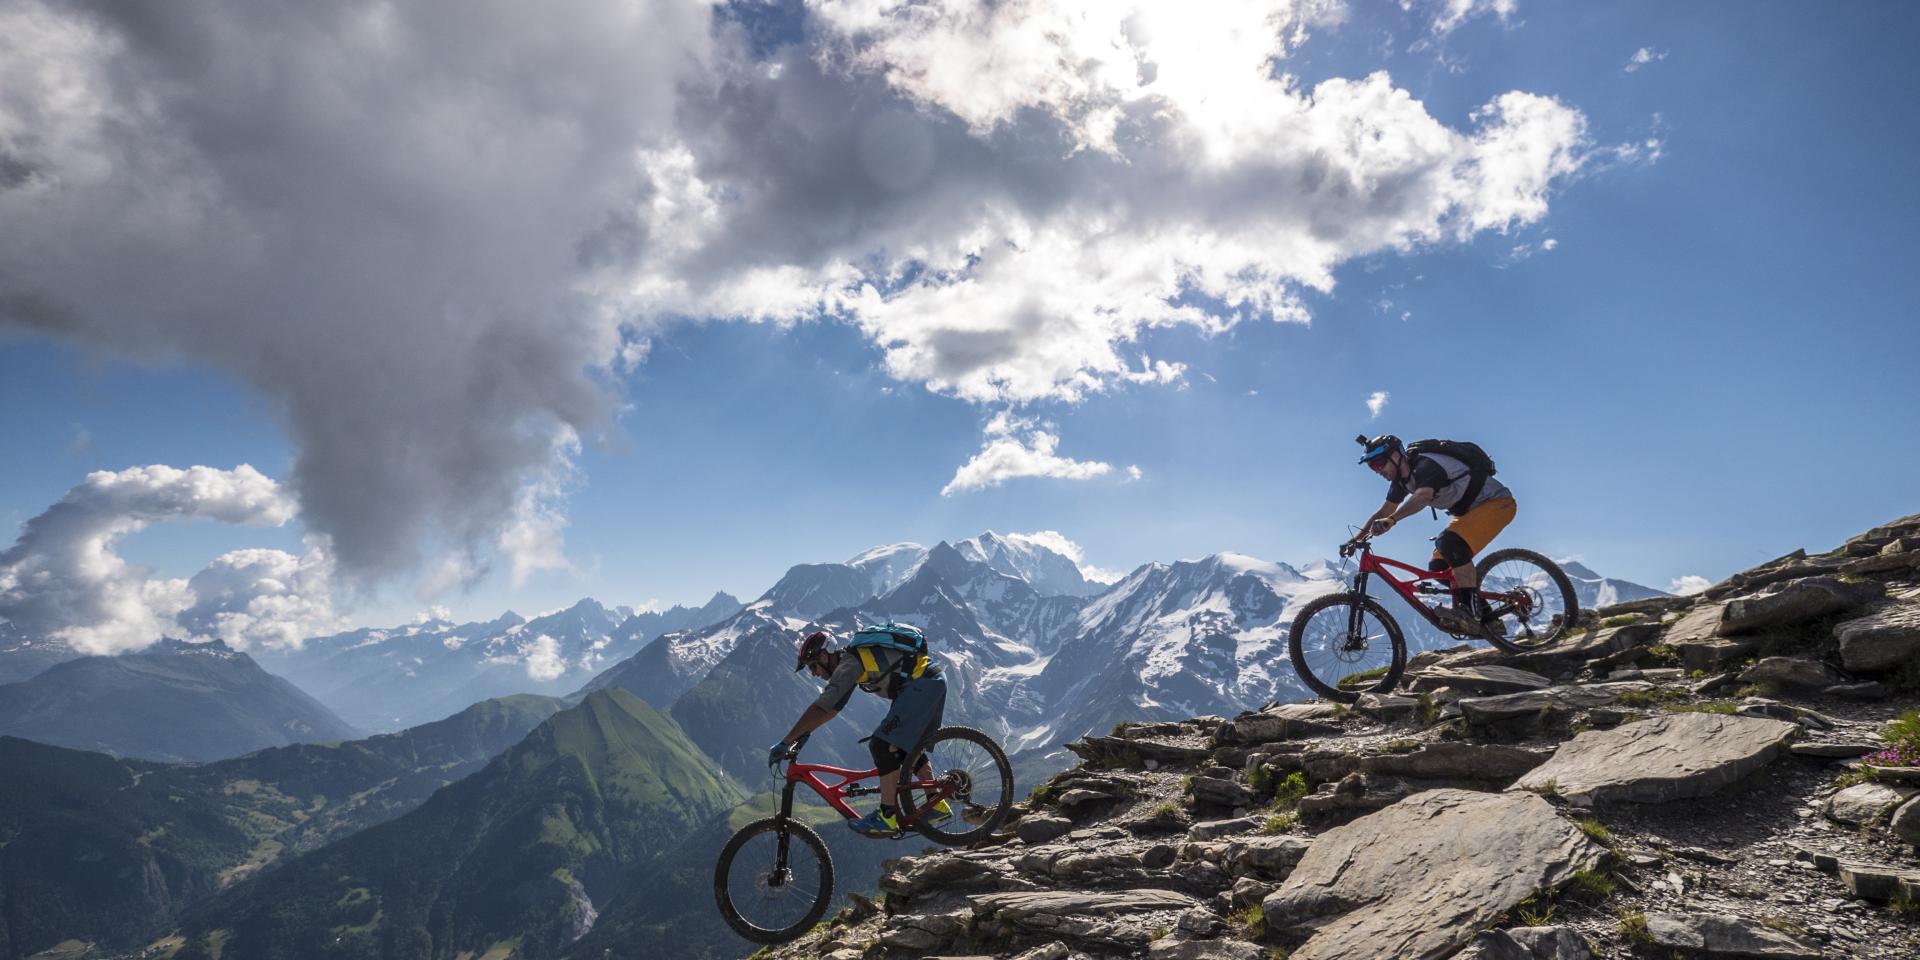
<point x="1438" y="563"/>
<point x="1453" y="549"/>
<point x="885" y="758"/>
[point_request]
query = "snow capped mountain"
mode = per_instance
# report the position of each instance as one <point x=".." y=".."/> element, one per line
<point x="1189" y="638"/>
<point x="1595" y="590"/>
<point x="889" y="566"/>
<point x="1035" y="558"/>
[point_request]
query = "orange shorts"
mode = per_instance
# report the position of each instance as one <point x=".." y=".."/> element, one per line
<point x="1480" y="525"/>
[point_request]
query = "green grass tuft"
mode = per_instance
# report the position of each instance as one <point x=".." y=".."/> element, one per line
<point x="1280" y="823"/>
<point x="1549" y="788"/>
<point x="1595" y="829"/>
<point x="1591" y="886"/>
<point x="1648" y="698"/>
<point x="1633" y="927"/>
<point x="1250" y="923"/>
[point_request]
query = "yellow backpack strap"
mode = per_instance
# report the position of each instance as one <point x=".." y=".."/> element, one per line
<point x="919" y="667"/>
<point x="869" y="666"/>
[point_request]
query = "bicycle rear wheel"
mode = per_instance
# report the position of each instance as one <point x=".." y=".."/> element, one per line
<point x="970" y="773"/>
<point x="1532" y="600"/>
<point x="762" y="901"/>
<point x="1345" y="644"/>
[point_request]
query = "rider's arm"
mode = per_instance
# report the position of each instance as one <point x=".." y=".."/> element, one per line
<point x="1414" y="504"/>
<point x="1385" y="509"/>
<point x="833" y="699"/>
<point x="812" y="720"/>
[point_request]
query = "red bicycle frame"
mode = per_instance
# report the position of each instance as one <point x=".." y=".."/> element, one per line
<point x="847" y="785"/>
<point x="1409" y="589"/>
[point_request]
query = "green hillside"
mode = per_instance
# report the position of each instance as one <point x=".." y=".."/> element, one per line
<point x="667" y="911"/>
<point x="88" y="849"/>
<point x="110" y="851"/>
<point x="516" y="854"/>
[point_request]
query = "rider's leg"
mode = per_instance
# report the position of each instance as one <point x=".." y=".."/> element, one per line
<point x="886" y="759"/>
<point x="1467" y="535"/>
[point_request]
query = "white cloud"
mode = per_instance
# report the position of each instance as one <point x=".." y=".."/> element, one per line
<point x="1059" y="543"/>
<point x="436" y="613"/>
<point x="1642" y="57"/>
<point x="543" y="659"/>
<point x="1024" y="449"/>
<point x="63" y="579"/>
<point x="534" y="539"/>
<point x="1688" y="585"/>
<point x="474" y="214"/>
<point x="1133" y="472"/>
<point x="1452" y="13"/>
<point x="264" y="598"/>
<point x="1376" y="402"/>
<point x="1098" y="164"/>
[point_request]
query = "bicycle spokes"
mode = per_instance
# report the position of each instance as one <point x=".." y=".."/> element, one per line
<point x="770" y="888"/>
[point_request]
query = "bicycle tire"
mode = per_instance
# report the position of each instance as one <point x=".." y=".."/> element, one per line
<point x="722" y="891"/>
<point x="1570" y="601"/>
<point x="982" y="819"/>
<point x="1334" y="691"/>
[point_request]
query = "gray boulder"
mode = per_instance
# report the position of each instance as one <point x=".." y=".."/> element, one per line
<point x="1454" y="760"/>
<point x="1865" y="802"/>
<point x="1269" y="858"/>
<point x="1792" y="672"/>
<point x="1118" y="918"/>
<point x="1881" y="640"/>
<point x="1879" y="881"/>
<point x="1214" y="829"/>
<point x="1906" y="822"/>
<point x="1662" y="758"/>
<point x="1793" y="603"/>
<point x="1420" y="877"/>
<point x="1042" y="828"/>
<point x="1696" y="637"/>
<point x="1287" y="721"/>
<point x="1205" y="950"/>
<point x="1534" y="703"/>
<point x="1481" y="680"/>
<point x="1720" y="935"/>
<point x="1527" y="943"/>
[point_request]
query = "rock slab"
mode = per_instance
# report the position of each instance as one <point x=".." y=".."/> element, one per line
<point x="1664" y="758"/>
<point x="1419" y="878"/>
<point x="1720" y="935"/>
<point x="1881" y="640"/>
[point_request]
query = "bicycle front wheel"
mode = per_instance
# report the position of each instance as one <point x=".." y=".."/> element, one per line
<point x="967" y="771"/>
<point x="1344" y="645"/>
<point x="767" y="897"/>
<point x="1531" y="601"/>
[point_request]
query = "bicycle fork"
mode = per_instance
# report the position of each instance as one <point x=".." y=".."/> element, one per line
<point x="781" y="871"/>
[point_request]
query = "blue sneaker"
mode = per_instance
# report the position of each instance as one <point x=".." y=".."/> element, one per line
<point x="877" y="825"/>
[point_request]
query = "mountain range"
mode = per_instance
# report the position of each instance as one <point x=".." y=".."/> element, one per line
<point x="541" y="826"/>
<point x="171" y="701"/>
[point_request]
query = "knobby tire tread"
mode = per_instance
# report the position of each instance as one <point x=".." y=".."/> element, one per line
<point x="1294" y="635"/>
<point x="1554" y="573"/>
<point x="1003" y="804"/>
<point x="797" y="831"/>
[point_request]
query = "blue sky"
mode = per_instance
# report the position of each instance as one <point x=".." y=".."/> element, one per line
<point x="1712" y="365"/>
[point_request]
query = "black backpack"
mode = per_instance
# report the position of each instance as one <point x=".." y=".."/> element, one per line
<point x="1479" y="466"/>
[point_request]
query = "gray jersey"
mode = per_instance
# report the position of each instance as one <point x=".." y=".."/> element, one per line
<point x="1449" y="479"/>
<point x="846" y="676"/>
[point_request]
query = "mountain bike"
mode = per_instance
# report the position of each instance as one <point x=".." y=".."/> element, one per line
<point x="1346" y="644"/>
<point x="775" y="876"/>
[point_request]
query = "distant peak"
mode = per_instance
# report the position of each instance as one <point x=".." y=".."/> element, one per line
<point x="721" y="598"/>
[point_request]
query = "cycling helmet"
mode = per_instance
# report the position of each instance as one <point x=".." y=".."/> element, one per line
<point x="1379" y="446"/>
<point x="814" y="643"/>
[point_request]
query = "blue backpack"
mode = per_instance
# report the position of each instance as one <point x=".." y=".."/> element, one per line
<point x="900" y="638"/>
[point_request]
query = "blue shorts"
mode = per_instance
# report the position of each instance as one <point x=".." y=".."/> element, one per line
<point x="916" y="712"/>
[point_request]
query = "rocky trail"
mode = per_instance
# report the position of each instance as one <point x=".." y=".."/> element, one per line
<point x="1724" y="775"/>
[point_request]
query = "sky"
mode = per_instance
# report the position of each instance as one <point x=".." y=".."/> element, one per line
<point x="318" y="316"/>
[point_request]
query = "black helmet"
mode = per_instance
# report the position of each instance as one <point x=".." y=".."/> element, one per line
<point x="814" y="643"/>
<point x="1378" y="447"/>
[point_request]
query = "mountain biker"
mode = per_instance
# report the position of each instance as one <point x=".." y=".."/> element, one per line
<point x="1421" y="480"/>
<point x="918" y="703"/>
